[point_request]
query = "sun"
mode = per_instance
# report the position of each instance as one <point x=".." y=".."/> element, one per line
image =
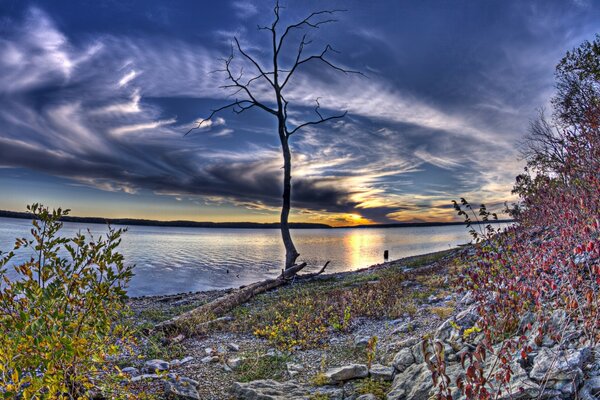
<point x="356" y="217"/>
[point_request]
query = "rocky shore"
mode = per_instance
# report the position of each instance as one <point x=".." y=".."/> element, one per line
<point x="232" y="363"/>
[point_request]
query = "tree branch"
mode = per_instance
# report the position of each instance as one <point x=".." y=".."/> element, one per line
<point x="253" y="61"/>
<point x="320" y="121"/>
<point x="317" y="57"/>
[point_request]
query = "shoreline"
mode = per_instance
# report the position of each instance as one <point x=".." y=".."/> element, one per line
<point x="373" y="267"/>
<point x="238" y="225"/>
<point x="233" y="355"/>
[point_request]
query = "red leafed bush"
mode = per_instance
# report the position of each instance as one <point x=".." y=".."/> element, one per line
<point x="549" y="260"/>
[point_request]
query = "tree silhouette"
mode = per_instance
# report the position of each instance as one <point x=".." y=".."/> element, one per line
<point x="265" y="87"/>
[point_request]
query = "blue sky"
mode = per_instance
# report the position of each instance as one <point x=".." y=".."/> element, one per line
<point x="95" y="98"/>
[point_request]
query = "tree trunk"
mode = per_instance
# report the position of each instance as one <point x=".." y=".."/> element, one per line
<point x="290" y="250"/>
<point x="198" y="316"/>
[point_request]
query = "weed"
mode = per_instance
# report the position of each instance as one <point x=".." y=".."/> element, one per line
<point x="378" y="388"/>
<point x="261" y="366"/>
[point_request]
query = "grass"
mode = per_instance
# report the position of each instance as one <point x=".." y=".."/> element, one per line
<point x="420" y="261"/>
<point x="443" y="312"/>
<point x="375" y="387"/>
<point x="156" y="315"/>
<point x="307" y="314"/>
<point x="261" y="366"/>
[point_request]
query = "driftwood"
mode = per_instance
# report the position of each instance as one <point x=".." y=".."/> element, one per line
<point x="224" y="304"/>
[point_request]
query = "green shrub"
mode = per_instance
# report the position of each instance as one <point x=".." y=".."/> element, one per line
<point x="57" y="319"/>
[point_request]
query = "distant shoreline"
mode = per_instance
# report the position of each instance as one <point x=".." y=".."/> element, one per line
<point x="232" y="225"/>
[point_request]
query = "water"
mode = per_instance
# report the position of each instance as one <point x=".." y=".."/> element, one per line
<point x="174" y="260"/>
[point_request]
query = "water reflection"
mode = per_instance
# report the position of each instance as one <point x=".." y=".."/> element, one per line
<point x="173" y="260"/>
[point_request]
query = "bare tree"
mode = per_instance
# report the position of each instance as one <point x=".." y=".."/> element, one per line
<point x="544" y="147"/>
<point x="265" y="89"/>
<point x="275" y="77"/>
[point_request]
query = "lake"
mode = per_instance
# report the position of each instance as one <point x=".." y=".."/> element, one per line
<point x="173" y="260"/>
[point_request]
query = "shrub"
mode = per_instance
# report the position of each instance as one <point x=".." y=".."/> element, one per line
<point x="57" y="319"/>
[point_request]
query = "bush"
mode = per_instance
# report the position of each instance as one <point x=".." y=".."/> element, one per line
<point x="547" y="265"/>
<point x="57" y="319"/>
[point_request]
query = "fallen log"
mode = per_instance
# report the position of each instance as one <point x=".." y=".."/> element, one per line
<point x="213" y="310"/>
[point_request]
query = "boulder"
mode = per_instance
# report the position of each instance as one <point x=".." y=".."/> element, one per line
<point x="403" y="359"/>
<point x="414" y="383"/>
<point x="381" y="372"/>
<point x="561" y="365"/>
<point x="347" y="372"/>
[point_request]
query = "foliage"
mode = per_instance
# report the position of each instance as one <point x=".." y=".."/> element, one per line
<point x="306" y="316"/>
<point x="578" y="85"/>
<point x="57" y="325"/>
<point x="262" y="366"/>
<point x="549" y="262"/>
<point x="377" y="388"/>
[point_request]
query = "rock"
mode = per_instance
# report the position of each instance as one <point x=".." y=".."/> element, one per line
<point x="186" y="360"/>
<point x="269" y="389"/>
<point x="208" y="351"/>
<point x="360" y="342"/>
<point x="152" y="366"/>
<point x="433" y="299"/>
<point x="274" y="353"/>
<point x="234" y="363"/>
<point x="403" y="359"/>
<point x="347" y="372"/>
<point x="467" y="299"/>
<point x="144" y="377"/>
<point x="177" y="377"/>
<point x="563" y="365"/>
<point x="233" y="346"/>
<point x="210" y="359"/>
<point x="414" y="383"/>
<point x="177" y="387"/>
<point x="590" y="389"/>
<point x="396" y="321"/>
<point x="367" y="397"/>
<point x="381" y="372"/>
<point x="294" y="369"/>
<point x="131" y="371"/>
<point x="177" y="339"/>
<point x="404" y="328"/>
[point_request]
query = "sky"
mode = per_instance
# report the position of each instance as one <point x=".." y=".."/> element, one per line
<point x="96" y="98"/>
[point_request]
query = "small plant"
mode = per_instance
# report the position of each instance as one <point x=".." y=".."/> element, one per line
<point x="442" y="312"/>
<point x="377" y="388"/>
<point x="58" y="322"/>
<point x="320" y="379"/>
<point x="371" y="349"/>
<point x="262" y="366"/>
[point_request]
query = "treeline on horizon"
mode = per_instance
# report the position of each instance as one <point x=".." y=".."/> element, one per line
<point x="233" y="225"/>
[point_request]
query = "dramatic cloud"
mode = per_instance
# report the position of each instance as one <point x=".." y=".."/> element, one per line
<point x="437" y="117"/>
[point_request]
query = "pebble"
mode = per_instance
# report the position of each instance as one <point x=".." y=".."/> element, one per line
<point x="209" y="359"/>
<point x="131" y="371"/>
<point x="156" y="366"/>
<point x="233" y="346"/>
<point x="234" y="363"/>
